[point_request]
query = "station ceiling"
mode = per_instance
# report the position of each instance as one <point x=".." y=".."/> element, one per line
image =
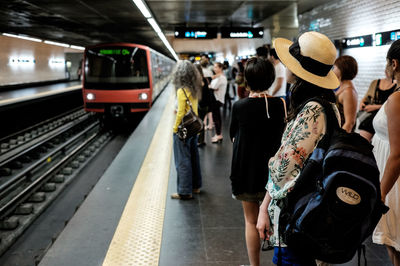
<point x="86" y="22"/>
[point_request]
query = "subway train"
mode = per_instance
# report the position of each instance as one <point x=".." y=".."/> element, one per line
<point x="123" y="78"/>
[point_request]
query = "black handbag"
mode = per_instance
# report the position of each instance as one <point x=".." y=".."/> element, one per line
<point x="191" y="124"/>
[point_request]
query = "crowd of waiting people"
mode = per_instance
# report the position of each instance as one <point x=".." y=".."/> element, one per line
<point x="275" y="127"/>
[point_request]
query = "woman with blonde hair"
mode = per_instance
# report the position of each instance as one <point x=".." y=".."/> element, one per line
<point x="187" y="81"/>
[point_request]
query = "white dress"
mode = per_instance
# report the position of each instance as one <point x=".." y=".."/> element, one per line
<point x="388" y="229"/>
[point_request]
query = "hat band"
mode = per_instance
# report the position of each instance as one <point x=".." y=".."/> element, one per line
<point x="309" y="64"/>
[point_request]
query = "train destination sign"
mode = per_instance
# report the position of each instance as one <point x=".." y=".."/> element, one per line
<point x="114" y="51"/>
<point x="242" y="32"/>
<point x="196" y="33"/>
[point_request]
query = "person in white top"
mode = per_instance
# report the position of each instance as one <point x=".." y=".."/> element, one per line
<point x="218" y="84"/>
<point x="386" y="143"/>
<point x="278" y="88"/>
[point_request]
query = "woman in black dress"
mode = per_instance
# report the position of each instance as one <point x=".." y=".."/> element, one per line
<point x="256" y="129"/>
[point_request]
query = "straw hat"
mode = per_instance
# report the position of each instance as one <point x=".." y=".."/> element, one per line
<point x="310" y="58"/>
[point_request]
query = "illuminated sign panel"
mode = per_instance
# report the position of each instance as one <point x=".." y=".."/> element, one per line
<point x="114" y="51"/>
<point x="359" y="41"/>
<point x="247" y="33"/>
<point x="195" y="33"/>
<point x="387" y="37"/>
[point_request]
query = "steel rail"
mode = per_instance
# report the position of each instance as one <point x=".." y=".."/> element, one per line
<point x="44" y="158"/>
<point x="24" y="149"/>
<point x="9" y="207"/>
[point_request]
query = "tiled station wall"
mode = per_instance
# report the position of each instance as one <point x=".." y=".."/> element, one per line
<point x="49" y="61"/>
<point x="350" y="18"/>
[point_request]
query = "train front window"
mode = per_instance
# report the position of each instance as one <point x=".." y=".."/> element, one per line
<point x="116" y="68"/>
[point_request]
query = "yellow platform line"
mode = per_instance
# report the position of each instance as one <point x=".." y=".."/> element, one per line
<point x="137" y="240"/>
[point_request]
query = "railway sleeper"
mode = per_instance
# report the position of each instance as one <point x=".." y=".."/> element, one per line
<point x="9" y="223"/>
<point x="48" y="187"/>
<point x="59" y="178"/>
<point x="24" y="209"/>
<point x="5" y="171"/>
<point x="37" y="197"/>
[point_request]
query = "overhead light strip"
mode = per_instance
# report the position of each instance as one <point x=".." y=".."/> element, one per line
<point x="22" y="37"/>
<point x="57" y="43"/>
<point x="142" y="7"/>
<point x="77" y="47"/>
<point x="39" y="40"/>
<point x="154" y="24"/>
<point x="147" y="14"/>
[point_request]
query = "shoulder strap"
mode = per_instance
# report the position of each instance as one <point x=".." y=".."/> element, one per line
<point x="187" y="99"/>
<point x="284" y="107"/>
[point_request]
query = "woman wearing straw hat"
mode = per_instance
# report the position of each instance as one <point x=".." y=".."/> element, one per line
<point x="309" y="62"/>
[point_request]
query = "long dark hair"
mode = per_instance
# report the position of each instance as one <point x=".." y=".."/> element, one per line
<point x="394" y="51"/>
<point x="302" y="91"/>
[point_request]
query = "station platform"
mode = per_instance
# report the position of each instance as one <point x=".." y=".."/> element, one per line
<point x="15" y="96"/>
<point x="130" y="219"/>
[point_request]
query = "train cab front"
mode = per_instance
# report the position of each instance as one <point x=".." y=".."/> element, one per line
<point x="116" y="80"/>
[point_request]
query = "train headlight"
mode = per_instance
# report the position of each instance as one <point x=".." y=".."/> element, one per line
<point x="90" y="96"/>
<point x="143" y="96"/>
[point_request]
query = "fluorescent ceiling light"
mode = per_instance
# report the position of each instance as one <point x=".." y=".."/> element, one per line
<point x="22" y="37"/>
<point x="77" y="47"/>
<point x="146" y="13"/>
<point x="142" y="7"/>
<point x="154" y="24"/>
<point x="57" y="43"/>
<point x="168" y="45"/>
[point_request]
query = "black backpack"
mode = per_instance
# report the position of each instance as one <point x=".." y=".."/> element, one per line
<point x="336" y="202"/>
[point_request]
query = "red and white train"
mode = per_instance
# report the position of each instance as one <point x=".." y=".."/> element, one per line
<point x="123" y="78"/>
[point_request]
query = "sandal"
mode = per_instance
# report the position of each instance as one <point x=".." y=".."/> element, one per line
<point x="181" y="197"/>
<point x="196" y="191"/>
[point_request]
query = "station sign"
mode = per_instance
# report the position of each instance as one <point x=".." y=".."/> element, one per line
<point x="196" y="33"/>
<point x="359" y="41"/>
<point x="387" y="37"/>
<point x="242" y="32"/>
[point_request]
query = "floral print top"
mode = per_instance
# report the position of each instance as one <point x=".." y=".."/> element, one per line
<point x="299" y="139"/>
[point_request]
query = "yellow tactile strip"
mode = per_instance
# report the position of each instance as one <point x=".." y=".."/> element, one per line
<point x="137" y="239"/>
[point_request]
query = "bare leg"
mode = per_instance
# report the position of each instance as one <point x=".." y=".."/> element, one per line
<point x="368" y="136"/>
<point x="210" y="121"/>
<point x="205" y="121"/>
<point x="394" y="255"/>
<point x="250" y="210"/>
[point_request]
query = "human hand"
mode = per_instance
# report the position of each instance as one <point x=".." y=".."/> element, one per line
<point x="362" y="106"/>
<point x="371" y="107"/>
<point x="263" y="225"/>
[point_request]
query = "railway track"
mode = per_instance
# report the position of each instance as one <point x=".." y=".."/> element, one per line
<point x="36" y="164"/>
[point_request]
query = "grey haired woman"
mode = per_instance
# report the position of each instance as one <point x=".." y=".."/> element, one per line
<point x="187" y="82"/>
